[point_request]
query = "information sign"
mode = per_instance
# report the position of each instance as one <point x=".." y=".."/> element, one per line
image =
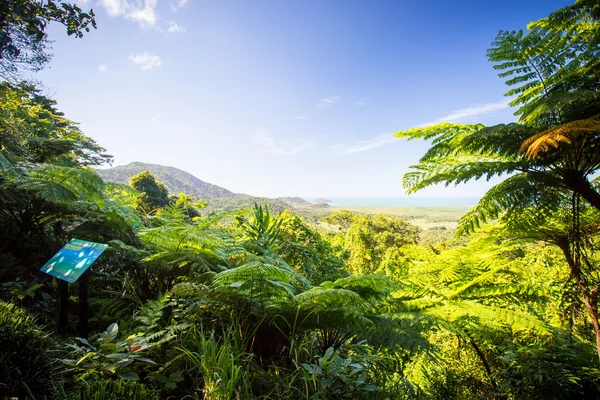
<point x="73" y="259"/>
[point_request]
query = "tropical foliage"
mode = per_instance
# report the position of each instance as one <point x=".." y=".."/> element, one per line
<point x="23" y="37"/>
<point x="262" y="303"/>
<point x="550" y="154"/>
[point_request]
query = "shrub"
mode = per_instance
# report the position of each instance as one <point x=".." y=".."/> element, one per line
<point x="337" y="376"/>
<point x="107" y="389"/>
<point x="27" y="367"/>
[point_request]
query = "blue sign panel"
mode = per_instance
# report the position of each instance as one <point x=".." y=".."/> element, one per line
<point x="73" y="259"/>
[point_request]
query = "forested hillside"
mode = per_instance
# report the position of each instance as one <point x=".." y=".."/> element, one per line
<point x="174" y="179"/>
<point x="262" y="303"/>
<point x="218" y="199"/>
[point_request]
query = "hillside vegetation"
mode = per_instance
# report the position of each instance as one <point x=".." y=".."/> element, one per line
<point x="218" y="199"/>
<point x="262" y="303"/>
<point x="174" y="179"/>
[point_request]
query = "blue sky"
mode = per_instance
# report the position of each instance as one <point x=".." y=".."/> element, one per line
<point x="284" y="97"/>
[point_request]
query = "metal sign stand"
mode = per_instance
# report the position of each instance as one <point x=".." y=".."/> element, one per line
<point x="70" y="264"/>
<point x="63" y="305"/>
<point x="83" y="305"/>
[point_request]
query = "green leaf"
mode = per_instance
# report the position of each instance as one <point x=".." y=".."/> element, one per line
<point x="129" y="375"/>
<point x="308" y="367"/>
<point x="328" y="354"/>
<point x="170" y="385"/>
<point x="176" y="376"/>
<point x="361" y="379"/>
<point x="118" y="355"/>
<point x="146" y="360"/>
<point x="112" y="330"/>
<point x="123" y="363"/>
<point x="326" y="382"/>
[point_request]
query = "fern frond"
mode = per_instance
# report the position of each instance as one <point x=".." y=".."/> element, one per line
<point x="64" y="184"/>
<point x="564" y="133"/>
<point x="512" y="195"/>
<point x="367" y="287"/>
<point x="471" y="314"/>
<point x="461" y="153"/>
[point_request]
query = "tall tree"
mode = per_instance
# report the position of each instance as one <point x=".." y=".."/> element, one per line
<point x="154" y="194"/>
<point x="573" y="227"/>
<point x="33" y="129"/>
<point x="305" y="249"/>
<point x="372" y="238"/>
<point x="553" y="70"/>
<point x="23" y="37"/>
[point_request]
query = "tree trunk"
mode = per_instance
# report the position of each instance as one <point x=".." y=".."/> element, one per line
<point x="580" y="185"/>
<point x="588" y="300"/>
<point x="483" y="360"/>
<point x="592" y="311"/>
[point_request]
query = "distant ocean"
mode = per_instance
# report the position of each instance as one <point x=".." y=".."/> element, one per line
<point x="401" y="201"/>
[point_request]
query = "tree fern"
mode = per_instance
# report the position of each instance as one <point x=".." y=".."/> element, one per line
<point x="564" y="133"/>
<point x="544" y="64"/>
<point x="509" y="198"/>
<point x="552" y="72"/>
<point x="58" y="184"/>
<point x="476" y="294"/>
<point x="264" y="284"/>
<point x="182" y="248"/>
<point x="463" y="152"/>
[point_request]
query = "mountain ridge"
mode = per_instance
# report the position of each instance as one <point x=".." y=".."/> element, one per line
<point x="177" y="180"/>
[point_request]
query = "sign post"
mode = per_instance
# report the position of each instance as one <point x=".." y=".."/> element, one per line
<point x="83" y="305"/>
<point x="68" y="265"/>
<point x="63" y="305"/>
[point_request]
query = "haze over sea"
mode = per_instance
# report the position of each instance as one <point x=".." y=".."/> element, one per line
<point x="402" y="201"/>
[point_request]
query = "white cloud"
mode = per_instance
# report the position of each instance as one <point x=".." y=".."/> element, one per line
<point x="177" y="5"/>
<point x="145" y="15"/>
<point x="175" y="28"/>
<point x="364" y="145"/>
<point x="462" y="115"/>
<point x="328" y="101"/>
<point x="470" y="112"/>
<point x="140" y="11"/>
<point x="103" y="68"/>
<point x="114" y="7"/>
<point x="360" y="104"/>
<point x="299" y="117"/>
<point x="262" y="137"/>
<point x="146" y="60"/>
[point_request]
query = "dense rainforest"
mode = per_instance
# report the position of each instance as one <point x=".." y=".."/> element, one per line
<point x="258" y="303"/>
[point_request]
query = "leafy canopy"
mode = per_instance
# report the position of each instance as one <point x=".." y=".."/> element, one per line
<point x="553" y="74"/>
<point x="153" y="193"/>
<point x="23" y="37"/>
<point x="32" y="129"/>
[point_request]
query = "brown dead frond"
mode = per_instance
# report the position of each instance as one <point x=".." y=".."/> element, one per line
<point x="564" y="133"/>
